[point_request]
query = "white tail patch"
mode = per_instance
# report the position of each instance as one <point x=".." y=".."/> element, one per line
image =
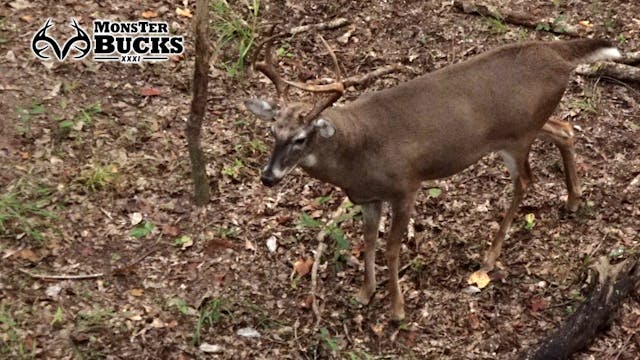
<point x="602" y="54"/>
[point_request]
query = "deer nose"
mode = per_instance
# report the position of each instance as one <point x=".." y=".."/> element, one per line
<point x="268" y="179"/>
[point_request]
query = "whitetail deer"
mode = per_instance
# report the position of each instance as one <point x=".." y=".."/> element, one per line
<point x="381" y="146"/>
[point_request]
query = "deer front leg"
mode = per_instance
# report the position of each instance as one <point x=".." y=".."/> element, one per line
<point x="400" y="219"/>
<point x="518" y="164"/>
<point x="561" y="134"/>
<point x="371" y="218"/>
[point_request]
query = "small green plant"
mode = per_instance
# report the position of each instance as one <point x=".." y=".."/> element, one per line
<point x="235" y="30"/>
<point x="330" y="343"/>
<point x="143" y="229"/>
<point x="435" y="192"/>
<point x="86" y="114"/>
<point x="11" y="344"/>
<point x="529" y="221"/>
<point x="181" y="305"/>
<point x="621" y="38"/>
<point x="58" y="317"/>
<point x="24" y="209"/>
<point x="181" y="240"/>
<point x="210" y="315"/>
<point x="96" y="316"/>
<point x="496" y="26"/>
<point x="334" y="232"/>
<point x="588" y="102"/>
<point x="26" y="115"/>
<point x="226" y="232"/>
<point x="234" y="170"/>
<point x="98" y="177"/>
<point x="257" y="146"/>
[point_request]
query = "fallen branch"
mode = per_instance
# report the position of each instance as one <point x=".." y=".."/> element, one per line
<point x="516" y="18"/>
<point x="61" y="277"/>
<point x="610" y="286"/>
<point x="370" y="76"/>
<point x="328" y="25"/>
<point x="610" y="69"/>
<point x="318" y="257"/>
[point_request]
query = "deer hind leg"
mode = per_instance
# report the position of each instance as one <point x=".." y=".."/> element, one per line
<point x="561" y="134"/>
<point x="371" y="217"/>
<point x="402" y="210"/>
<point x="518" y="164"/>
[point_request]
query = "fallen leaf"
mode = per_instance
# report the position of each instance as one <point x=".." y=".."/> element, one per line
<point x="149" y="14"/>
<point x="135" y="218"/>
<point x="248" y="332"/>
<point x="53" y="291"/>
<point x="378" y="329"/>
<point x="210" y="348"/>
<point x="248" y="244"/>
<point x="28" y="254"/>
<point x="471" y="290"/>
<point x="307" y="302"/>
<point x="157" y="323"/>
<point x="171" y="230"/>
<point x="136" y="292"/>
<point x="538" y="304"/>
<point x="26" y="18"/>
<point x="303" y="267"/>
<point x="150" y="91"/>
<point x="480" y="278"/>
<point x="184" y="13"/>
<point x="272" y="244"/>
<point x="586" y="23"/>
<point x="474" y="322"/>
<point x="20" y="4"/>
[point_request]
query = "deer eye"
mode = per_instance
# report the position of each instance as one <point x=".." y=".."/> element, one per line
<point x="299" y="141"/>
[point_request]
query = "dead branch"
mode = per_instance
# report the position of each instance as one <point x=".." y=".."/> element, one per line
<point x="318" y="257"/>
<point x="610" y="286"/>
<point x="61" y="277"/>
<point x="515" y="18"/>
<point x="370" y="76"/>
<point x="632" y="58"/>
<point x="328" y="25"/>
<point x="610" y="69"/>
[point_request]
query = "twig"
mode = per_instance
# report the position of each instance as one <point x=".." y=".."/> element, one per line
<point x="329" y="25"/>
<point x="62" y="277"/>
<point x="318" y="257"/>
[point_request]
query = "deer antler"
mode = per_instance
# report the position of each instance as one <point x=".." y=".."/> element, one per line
<point x="266" y="67"/>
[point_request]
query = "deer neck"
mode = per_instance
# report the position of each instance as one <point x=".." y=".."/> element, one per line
<point x="332" y="159"/>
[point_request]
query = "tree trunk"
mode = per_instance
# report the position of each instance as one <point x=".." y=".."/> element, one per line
<point x="199" y="104"/>
<point x="610" y="286"/>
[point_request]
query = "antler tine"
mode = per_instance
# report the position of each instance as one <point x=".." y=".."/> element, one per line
<point x="266" y="67"/>
<point x="333" y="57"/>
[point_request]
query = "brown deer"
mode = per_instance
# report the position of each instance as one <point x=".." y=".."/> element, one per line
<point x="380" y="147"/>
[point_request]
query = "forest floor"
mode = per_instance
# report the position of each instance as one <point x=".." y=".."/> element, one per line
<point x="95" y="179"/>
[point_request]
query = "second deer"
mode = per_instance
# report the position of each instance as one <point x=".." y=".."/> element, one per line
<point x="382" y="146"/>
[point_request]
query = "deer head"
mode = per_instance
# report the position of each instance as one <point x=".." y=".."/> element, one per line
<point x="297" y="125"/>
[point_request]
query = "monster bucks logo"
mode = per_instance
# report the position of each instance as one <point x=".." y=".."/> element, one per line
<point x="126" y="42"/>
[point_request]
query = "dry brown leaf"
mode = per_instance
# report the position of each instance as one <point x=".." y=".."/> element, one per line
<point x="248" y="244"/>
<point x="303" y="267"/>
<point x="26" y="18"/>
<point x="480" y="278"/>
<point x="28" y="254"/>
<point x="150" y="91"/>
<point x="149" y="14"/>
<point x="136" y="292"/>
<point x="184" y="12"/>
<point x="538" y="304"/>
<point x="170" y="230"/>
<point x="474" y="322"/>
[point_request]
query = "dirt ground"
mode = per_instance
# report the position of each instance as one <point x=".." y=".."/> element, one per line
<point x="95" y="179"/>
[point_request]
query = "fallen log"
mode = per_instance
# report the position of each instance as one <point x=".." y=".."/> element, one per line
<point x="610" y="69"/>
<point x="610" y="285"/>
<point x="555" y="26"/>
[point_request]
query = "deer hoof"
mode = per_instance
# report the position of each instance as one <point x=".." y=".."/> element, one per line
<point x="363" y="296"/>
<point x="397" y="315"/>
<point x="573" y="205"/>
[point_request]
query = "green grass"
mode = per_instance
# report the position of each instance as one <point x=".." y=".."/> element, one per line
<point x="24" y="210"/>
<point x="210" y="314"/>
<point x="12" y="345"/>
<point x="235" y="31"/>
<point x="99" y="177"/>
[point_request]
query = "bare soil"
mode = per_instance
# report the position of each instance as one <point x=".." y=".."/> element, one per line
<point x="156" y="292"/>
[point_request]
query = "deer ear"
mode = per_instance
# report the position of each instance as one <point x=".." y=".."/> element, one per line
<point x="325" y="128"/>
<point x="261" y="108"/>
